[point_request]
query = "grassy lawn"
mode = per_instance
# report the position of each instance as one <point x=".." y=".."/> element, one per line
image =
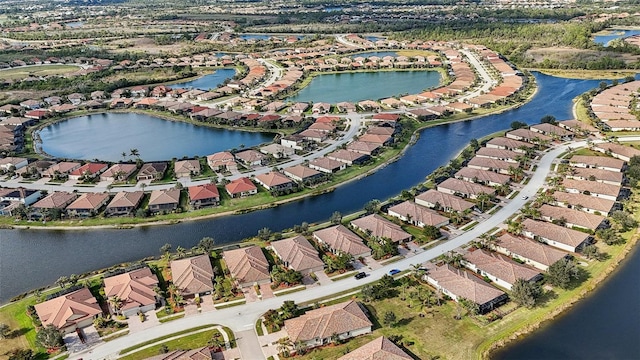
<point x="15" y="316"/>
<point x="193" y="341"/>
<point x="37" y="70"/>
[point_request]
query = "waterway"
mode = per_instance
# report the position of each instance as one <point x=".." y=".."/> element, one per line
<point x="207" y="82"/>
<point x="106" y="136"/>
<point x="354" y="87"/>
<point x="34" y="258"/>
<point x="615" y="34"/>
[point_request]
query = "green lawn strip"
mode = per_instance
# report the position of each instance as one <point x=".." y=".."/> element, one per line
<point x="470" y="226"/>
<point x="228" y="305"/>
<point x="171" y="318"/>
<point x="289" y="291"/>
<point x="115" y="336"/>
<point x="230" y="336"/>
<point x="192" y="341"/>
<point x="159" y="339"/>
<point x="259" y="330"/>
<point x="15" y="315"/>
<point x="343" y="276"/>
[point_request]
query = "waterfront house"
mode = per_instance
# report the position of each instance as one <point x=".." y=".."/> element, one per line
<point x="186" y="168"/>
<point x="483" y="177"/>
<point x="295" y="141"/>
<point x="124" y="203"/>
<point x="203" y="195"/>
<point x="313" y="135"/>
<point x="118" y="172"/>
<point x="457" y="284"/>
<point x="61" y="169"/>
<point x="251" y="157"/>
<point x="19" y="195"/>
<point x="349" y="157"/>
<point x="164" y="200"/>
<point x="277" y="151"/>
<point x="340" y="239"/>
<point x="136" y="290"/>
<point x="327" y="165"/>
<point x="597" y="162"/>
<point x="417" y="215"/>
<point x="87" y="205"/>
<point x="618" y="151"/>
<point x="528" y="136"/>
<point x="530" y="252"/>
<point x="222" y="161"/>
<point x="553" y="131"/>
<point x="193" y="276"/>
<point x="56" y="200"/>
<point x="509" y="144"/>
<point x="443" y="201"/>
<point x="248" y="266"/>
<point x="69" y="312"/>
<point x="378" y="228"/>
<point x="241" y="187"/>
<point x="88" y="171"/>
<point x="497" y="268"/>
<point x="152" y="171"/>
<point x="317" y="327"/>
<point x="488" y="164"/>
<point x="499" y="154"/>
<point x="464" y="188"/>
<point x="555" y="235"/>
<point x="303" y="174"/>
<point x="274" y="181"/>
<point x="13" y="163"/>
<point x="298" y="254"/>
<point x="378" y="349"/>
<point x="587" y="203"/>
<point x="598" y="175"/>
<point x="380" y="139"/>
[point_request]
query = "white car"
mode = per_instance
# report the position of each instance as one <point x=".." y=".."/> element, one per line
<point x="524" y="197"/>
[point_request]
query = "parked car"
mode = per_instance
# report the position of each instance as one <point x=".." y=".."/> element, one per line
<point x="361" y="275"/>
<point x="394" y="271"/>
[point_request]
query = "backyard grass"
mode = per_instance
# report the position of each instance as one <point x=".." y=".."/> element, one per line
<point x="192" y="341"/>
<point x="37" y="70"/>
<point x="14" y="315"/>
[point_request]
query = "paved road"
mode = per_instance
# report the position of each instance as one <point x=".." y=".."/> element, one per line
<point x="242" y="318"/>
<point x="487" y="81"/>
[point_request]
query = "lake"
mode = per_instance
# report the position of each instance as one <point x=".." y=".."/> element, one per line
<point x="207" y="82"/>
<point x="105" y="136"/>
<point x="254" y="37"/>
<point x="615" y="34"/>
<point x="354" y="87"/>
<point x="34" y="258"/>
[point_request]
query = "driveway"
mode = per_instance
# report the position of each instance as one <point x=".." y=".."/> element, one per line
<point x="323" y="279"/>
<point x="249" y="345"/>
<point x="136" y="325"/>
<point x="266" y="291"/>
<point x="74" y="344"/>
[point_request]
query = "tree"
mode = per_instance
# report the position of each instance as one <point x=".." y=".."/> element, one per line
<point x="116" y="303"/>
<point x="206" y="244"/>
<point x="166" y="249"/>
<point x="625" y="221"/>
<point x="525" y="293"/>
<point x="518" y="125"/>
<point x="62" y="281"/>
<point x="336" y="217"/>
<point x="389" y="318"/>
<point x="371" y="206"/>
<point x="289" y="309"/>
<point x="216" y="342"/>
<point x="431" y="232"/>
<point x="562" y="272"/>
<point x="5" y="330"/>
<point x="549" y="119"/>
<point x="163" y="349"/>
<point x="21" y="354"/>
<point x="180" y="251"/>
<point x="515" y="227"/>
<point x="134" y="152"/>
<point x="483" y="198"/>
<point x="609" y="236"/>
<point x="591" y="252"/>
<point x="264" y="233"/>
<point x="73" y="279"/>
<point x="49" y="337"/>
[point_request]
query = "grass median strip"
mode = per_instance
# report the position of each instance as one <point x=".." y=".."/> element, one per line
<point x="192" y="341"/>
<point x="153" y="341"/>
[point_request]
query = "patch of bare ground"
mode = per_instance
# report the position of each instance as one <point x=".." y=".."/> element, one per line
<point x="145" y="45"/>
<point x="13" y="95"/>
<point x="633" y="40"/>
<point x="568" y="54"/>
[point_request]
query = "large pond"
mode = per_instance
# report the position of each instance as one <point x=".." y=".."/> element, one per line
<point x="615" y="34"/>
<point x="33" y="258"/>
<point x="354" y="87"/>
<point x="106" y="136"/>
<point x="207" y="82"/>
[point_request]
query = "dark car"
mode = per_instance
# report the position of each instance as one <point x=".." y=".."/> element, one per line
<point x="394" y="271"/>
<point x="361" y="275"/>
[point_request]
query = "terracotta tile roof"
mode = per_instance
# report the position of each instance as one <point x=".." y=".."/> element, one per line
<point x="135" y="288"/>
<point x="381" y="227"/>
<point x="530" y="249"/>
<point x="484" y="162"/>
<point x="69" y="309"/>
<point x="378" y="349"/>
<point x="187" y="167"/>
<point x="126" y="199"/>
<point x="482" y="175"/>
<point x="622" y="150"/>
<point x="572" y="216"/>
<point x="89" y="168"/>
<point x="301" y="172"/>
<point x="326" y="163"/>
<point x="557" y="233"/>
<point x="499" y="266"/>
<point x="192" y="275"/>
<point x="509" y="144"/>
<point x="418" y="213"/>
<point x="599" y="204"/>
<point x="272" y="178"/>
<point x="166" y="196"/>
<point x="298" y="253"/>
<point x="501" y="154"/>
<point x="375" y="138"/>
<point x="597" y="161"/>
<point x="465" y="187"/>
<point x="527" y="134"/>
<point x="323" y="322"/>
<point x="203" y="192"/>
<point x="250" y="156"/>
<point x="462" y="284"/>
<point x="345" y="155"/>
<point x="593" y="187"/>
<point x="240" y="185"/>
<point x="91" y="201"/>
<point x="121" y="171"/>
<point x="62" y="167"/>
<point x="152" y="169"/>
<point x="445" y="200"/>
<point x="550" y="129"/>
<point x="342" y="239"/>
<point x="363" y="147"/>
<point x="56" y="200"/>
<point x="247" y="265"/>
<point x="597" y="174"/>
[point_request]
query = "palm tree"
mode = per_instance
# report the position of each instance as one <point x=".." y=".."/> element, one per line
<point x="180" y="251"/>
<point x="134" y="152"/>
<point x="483" y="198"/>
<point x="516" y="173"/>
<point x="116" y="303"/>
<point x="124" y="156"/>
<point x="530" y="212"/>
<point x="515" y="227"/>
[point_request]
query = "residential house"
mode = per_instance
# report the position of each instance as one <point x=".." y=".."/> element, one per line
<point x="13" y="163"/>
<point x="248" y="266"/>
<point x="20" y="195"/>
<point x="488" y="164"/>
<point x="321" y="108"/>
<point x="203" y="195"/>
<point x="555" y="235"/>
<point x="553" y="131"/>
<point x="498" y="154"/>
<point x="598" y="175"/>
<point x="241" y="187"/>
<point x="164" y="200"/>
<point x="464" y="188"/>
<point x="592" y="188"/>
<point x="298" y="254"/>
<point x="317" y="327"/>
<point x="509" y="144"/>
<point x="152" y="171"/>
<point x="186" y="168"/>
<point x="56" y="200"/>
<point x="193" y="276"/>
<point x="251" y="157"/>
<point x="314" y="135"/>
<point x="483" y="177"/>
<point x="571" y="217"/>
<point x="530" y="252"/>
<point x="528" y="136"/>
<point x="61" y="169"/>
<point x="88" y="171"/>
<point x="340" y="239"/>
<point x="378" y="227"/>
<point x="274" y="181"/>
<point x="118" y="172"/>
<point x="417" y="215"/>
<point x="587" y="203"/>
<point x="497" y="268"/>
<point x="362" y="147"/>
<point x="380" y="139"/>
<point x="87" y="205"/>
<point x="618" y="151"/>
<point x="303" y="174"/>
<point x="222" y="161"/>
<point x="295" y="141"/>
<point x="597" y="162"/>
<point x="378" y="349"/>
<point x="69" y="312"/>
<point x="277" y="151"/>
<point x="458" y="284"/>
<point x="438" y="200"/>
<point x="327" y="165"/>
<point x="136" y="290"/>
<point x="349" y="157"/>
<point x="124" y="203"/>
